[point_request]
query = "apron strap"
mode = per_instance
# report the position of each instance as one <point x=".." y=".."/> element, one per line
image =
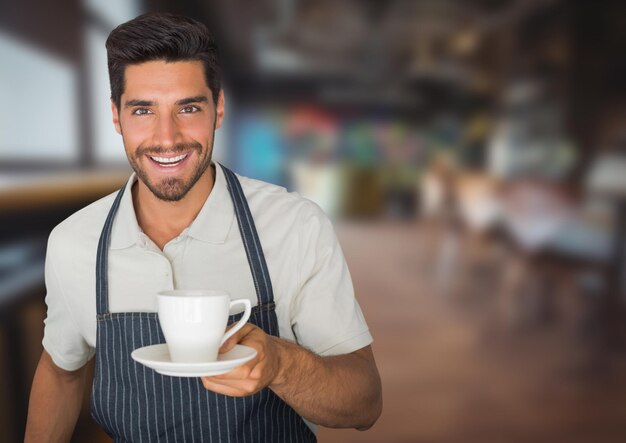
<point x="102" y="280"/>
<point x="250" y="237"/>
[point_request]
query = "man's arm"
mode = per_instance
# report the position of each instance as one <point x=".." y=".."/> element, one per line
<point x="342" y="391"/>
<point x="55" y="402"/>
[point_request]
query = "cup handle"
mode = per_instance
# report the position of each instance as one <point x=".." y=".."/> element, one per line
<point x="242" y="321"/>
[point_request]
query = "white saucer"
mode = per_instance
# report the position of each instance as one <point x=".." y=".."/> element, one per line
<point x="157" y="357"/>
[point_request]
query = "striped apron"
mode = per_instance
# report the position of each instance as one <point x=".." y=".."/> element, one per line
<point x="133" y="403"/>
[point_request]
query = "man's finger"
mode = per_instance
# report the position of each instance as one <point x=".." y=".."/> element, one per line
<point x="239" y="373"/>
<point x="234" y="388"/>
<point x="236" y="338"/>
<point x="223" y="389"/>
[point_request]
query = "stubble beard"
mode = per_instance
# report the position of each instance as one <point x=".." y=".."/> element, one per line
<point x="171" y="189"/>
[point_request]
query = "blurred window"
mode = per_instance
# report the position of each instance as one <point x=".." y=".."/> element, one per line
<point x="41" y="115"/>
<point x="39" y="108"/>
<point x="107" y="142"/>
<point x="105" y="15"/>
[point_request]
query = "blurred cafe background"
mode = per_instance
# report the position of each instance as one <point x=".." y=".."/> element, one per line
<point x="472" y="154"/>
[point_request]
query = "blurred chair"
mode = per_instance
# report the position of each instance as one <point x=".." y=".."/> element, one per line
<point x="436" y="188"/>
<point x="595" y="239"/>
<point x="479" y="213"/>
<point x="439" y="211"/>
<point x="533" y="212"/>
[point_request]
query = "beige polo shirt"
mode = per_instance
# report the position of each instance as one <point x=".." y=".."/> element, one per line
<point x="313" y="291"/>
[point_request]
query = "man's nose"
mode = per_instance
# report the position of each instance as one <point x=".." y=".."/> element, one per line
<point x="167" y="131"/>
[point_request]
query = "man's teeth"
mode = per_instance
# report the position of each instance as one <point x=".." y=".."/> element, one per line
<point x="171" y="161"/>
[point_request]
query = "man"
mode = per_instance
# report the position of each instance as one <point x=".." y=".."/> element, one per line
<point x="183" y="222"/>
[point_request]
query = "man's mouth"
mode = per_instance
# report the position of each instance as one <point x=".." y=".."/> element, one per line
<point x="168" y="162"/>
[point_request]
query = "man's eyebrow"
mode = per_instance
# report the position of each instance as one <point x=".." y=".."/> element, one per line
<point x="130" y="103"/>
<point x="181" y="102"/>
<point x="189" y="100"/>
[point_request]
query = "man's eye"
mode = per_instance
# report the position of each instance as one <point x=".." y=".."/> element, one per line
<point x="189" y="109"/>
<point x="141" y="111"/>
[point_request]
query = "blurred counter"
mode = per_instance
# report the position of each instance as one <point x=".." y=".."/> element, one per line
<point x="30" y="206"/>
<point x="32" y="190"/>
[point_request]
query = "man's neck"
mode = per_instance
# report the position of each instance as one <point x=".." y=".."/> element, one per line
<point x="163" y="221"/>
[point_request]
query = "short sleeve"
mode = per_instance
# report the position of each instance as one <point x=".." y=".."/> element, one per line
<point x="326" y="317"/>
<point x="62" y="338"/>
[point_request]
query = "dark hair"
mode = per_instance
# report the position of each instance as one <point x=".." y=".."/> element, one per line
<point x="161" y="36"/>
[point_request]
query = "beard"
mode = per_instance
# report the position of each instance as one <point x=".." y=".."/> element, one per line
<point x="171" y="189"/>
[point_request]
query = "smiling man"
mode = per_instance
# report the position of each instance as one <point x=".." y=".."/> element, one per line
<point x="182" y="221"/>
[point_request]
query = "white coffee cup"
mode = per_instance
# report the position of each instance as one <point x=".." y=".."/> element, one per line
<point x="194" y="321"/>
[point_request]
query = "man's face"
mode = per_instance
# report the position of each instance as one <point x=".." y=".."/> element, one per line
<point x="167" y="120"/>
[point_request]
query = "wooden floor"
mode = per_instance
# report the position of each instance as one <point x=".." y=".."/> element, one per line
<point x="456" y="367"/>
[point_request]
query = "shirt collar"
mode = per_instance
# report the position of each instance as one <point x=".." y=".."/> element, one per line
<point x="211" y="225"/>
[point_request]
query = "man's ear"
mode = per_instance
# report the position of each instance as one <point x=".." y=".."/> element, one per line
<point x="219" y="110"/>
<point x="116" y="117"/>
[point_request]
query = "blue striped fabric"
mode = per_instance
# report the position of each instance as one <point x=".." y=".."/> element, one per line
<point x="133" y="403"/>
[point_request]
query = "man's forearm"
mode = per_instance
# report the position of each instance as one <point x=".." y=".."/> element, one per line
<point x="340" y="391"/>
<point x="55" y="402"/>
<point x="337" y="391"/>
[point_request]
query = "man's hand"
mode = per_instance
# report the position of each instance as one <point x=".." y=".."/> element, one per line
<point x="254" y="375"/>
<point x="339" y="391"/>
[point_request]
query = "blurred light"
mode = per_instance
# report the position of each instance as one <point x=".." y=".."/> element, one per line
<point x="466" y="42"/>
